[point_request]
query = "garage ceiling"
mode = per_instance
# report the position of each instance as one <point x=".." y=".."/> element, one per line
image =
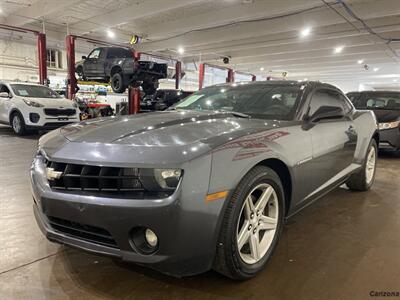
<point x="255" y="34"/>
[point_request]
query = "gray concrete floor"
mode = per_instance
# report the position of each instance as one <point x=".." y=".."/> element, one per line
<point x="342" y="247"/>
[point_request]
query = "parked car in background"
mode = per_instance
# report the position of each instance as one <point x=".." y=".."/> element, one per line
<point x="31" y="107"/>
<point x="117" y="66"/>
<point x="207" y="183"/>
<point x="386" y="106"/>
<point x="162" y="99"/>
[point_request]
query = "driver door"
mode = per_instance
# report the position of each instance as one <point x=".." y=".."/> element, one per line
<point x="333" y="140"/>
<point x="93" y="65"/>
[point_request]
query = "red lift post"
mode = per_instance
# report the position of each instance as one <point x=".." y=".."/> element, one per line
<point x="41" y="49"/>
<point x="229" y="79"/>
<point x="134" y="92"/>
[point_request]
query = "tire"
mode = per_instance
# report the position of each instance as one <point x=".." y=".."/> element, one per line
<point x="361" y="181"/>
<point x="80" y="73"/>
<point x="238" y="262"/>
<point x="117" y="83"/>
<point x="18" y="124"/>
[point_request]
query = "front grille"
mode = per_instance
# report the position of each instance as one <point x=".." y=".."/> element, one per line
<point x="86" y="232"/>
<point x="95" y="178"/>
<point x="55" y="112"/>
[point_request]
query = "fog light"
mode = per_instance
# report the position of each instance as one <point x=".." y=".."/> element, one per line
<point x="151" y="237"/>
<point x="34" y="117"/>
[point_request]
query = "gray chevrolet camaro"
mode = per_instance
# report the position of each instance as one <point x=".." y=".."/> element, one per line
<point x="206" y="184"/>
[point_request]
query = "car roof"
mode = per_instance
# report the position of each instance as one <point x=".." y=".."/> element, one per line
<point x="19" y="82"/>
<point x="114" y="47"/>
<point x="283" y="82"/>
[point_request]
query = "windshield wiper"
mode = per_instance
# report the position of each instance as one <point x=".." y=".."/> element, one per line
<point x="236" y="114"/>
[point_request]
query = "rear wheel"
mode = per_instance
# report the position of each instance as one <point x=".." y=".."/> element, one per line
<point x="364" y="179"/>
<point x="252" y="224"/>
<point x="18" y="124"/>
<point x="117" y="83"/>
<point x="80" y="73"/>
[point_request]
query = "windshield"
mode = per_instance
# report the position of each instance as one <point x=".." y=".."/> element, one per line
<point x="264" y="101"/>
<point x="388" y="101"/>
<point x="33" y="91"/>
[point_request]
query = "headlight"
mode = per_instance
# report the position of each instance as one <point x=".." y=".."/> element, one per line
<point x="389" y="125"/>
<point x="32" y="103"/>
<point x="160" y="179"/>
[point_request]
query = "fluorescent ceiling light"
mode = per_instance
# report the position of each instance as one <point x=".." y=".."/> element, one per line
<point x="181" y="50"/>
<point x="360" y="61"/>
<point x="262" y="69"/>
<point x="305" y="32"/>
<point x="110" y="33"/>
<point x="338" y="49"/>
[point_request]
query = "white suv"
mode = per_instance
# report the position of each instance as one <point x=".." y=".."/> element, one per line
<point x="31" y="107"/>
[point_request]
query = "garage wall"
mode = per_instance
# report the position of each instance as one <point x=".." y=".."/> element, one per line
<point x="19" y="61"/>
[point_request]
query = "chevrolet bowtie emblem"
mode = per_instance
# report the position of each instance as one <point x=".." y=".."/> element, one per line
<point x="52" y="175"/>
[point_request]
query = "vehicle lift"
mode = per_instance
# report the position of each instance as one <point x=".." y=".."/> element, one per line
<point x="133" y="91"/>
<point x="41" y="49"/>
<point x="230" y="73"/>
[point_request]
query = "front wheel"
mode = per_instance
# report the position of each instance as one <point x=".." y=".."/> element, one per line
<point x="252" y="224"/>
<point x="18" y="124"/>
<point x="117" y="83"/>
<point x="364" y="179"/>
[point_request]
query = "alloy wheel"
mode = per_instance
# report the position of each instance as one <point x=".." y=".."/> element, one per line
<point x="16" y="123"/>
<point x="258" y="221"/>
<point x="117" y="83"/>
<point x="370" y="165"/>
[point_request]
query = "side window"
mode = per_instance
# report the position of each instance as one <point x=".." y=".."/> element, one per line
<point x="95" y="53"/>
<point x="325" y="98"/>
<point x="4" y="89"/>
<point x="118" y="53"/>
<point x="347" y="106"/>
<point x="111" y="53"/>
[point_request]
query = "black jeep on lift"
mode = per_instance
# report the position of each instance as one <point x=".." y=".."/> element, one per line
<point x="117" y="66"/>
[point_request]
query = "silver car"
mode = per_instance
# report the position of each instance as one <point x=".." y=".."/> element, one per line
<point x="206" y="184"/>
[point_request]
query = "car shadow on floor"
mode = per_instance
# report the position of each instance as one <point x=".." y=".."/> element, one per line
<point x="6" y="131"/>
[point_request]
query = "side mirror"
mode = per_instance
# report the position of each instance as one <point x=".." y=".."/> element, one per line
<point x="327" y="112"/>
<point x="84" y="57"/>
<point x="5" y="95"/>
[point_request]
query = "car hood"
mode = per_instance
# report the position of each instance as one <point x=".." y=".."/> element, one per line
<point x="386" y="115"/>
<point x="168" y="128"/>
<point x="52" y="102"/>
<point x="166" y="138"/>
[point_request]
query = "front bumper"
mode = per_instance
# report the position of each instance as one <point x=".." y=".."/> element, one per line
<point x="49" y="125"/>
<point x="389" y="138"/>
<point x="47" y="122"/>
<point x="187" y="230"/>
